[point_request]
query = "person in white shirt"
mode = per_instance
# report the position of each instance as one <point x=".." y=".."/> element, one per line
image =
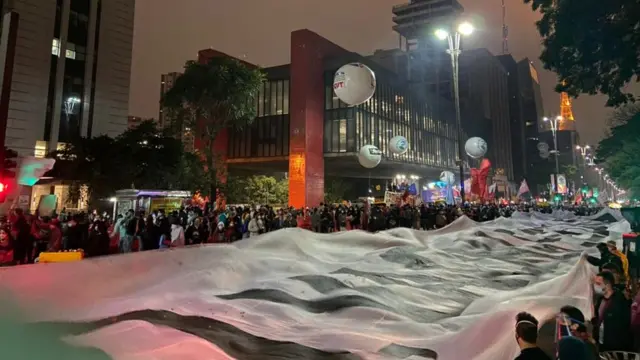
<point x="177" y="233"/>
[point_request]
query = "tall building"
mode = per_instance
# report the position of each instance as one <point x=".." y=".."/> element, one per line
<point x="71" y="71"/>
<point x="484" y="102"/>
<point x="187" y="134"/>
<point x="516" y="117"/>
<point x="525" y="110"/>
<point x="166" y="83"/>
<point x="566" y="111"/>
<point x="423" y="61"/>
<point x="567" y="139"/>
<point x="532" y="110"/>
<point x="304" y="129"/>
<point x="418" y="17"/>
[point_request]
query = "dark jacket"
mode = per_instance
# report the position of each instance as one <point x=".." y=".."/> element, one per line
<point x="605" y="258"/>
<point x="617" y="324"/>
<point x="532" y="354"/>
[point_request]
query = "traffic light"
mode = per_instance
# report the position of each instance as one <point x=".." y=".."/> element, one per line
<point x="8" y="172"/>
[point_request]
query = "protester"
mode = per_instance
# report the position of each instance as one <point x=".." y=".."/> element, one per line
<point x="571" y="348"/>
<point x="613" y="315"/>
<point x="578" y="329"/>
<point x="605" y="257"/>
<point x="613" y="249"/>
<point x="6" y="247"/>
<point x="527" y="338"/>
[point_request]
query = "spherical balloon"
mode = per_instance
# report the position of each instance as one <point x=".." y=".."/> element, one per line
<point x="369" y="156"/>
<point x="354" y="83"/>
<point x="475" y="147"/>
<point x="398" y="145"/>
<point x="447" y="177"/>
<point x="543" y="146"/>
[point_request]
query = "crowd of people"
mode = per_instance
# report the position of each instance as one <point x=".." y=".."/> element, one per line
<point x="614" y="331"/>
<point x="616" y="326"/>
<point x="23" y="236"/>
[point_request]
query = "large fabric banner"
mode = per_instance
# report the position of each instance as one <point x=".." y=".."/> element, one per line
<point x="295" y="294"/>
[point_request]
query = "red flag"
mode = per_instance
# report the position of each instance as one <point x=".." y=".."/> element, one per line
<point x="479" y="179"/>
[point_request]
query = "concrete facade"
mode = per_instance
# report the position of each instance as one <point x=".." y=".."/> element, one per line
<point x="87" y="94"/>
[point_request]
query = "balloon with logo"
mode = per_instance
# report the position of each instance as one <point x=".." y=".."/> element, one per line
<point x="354" y="84"/>
<point x="398" y="145"/>
<point x="475" y="147"/>
<point x="447" y="177"/>
<point x="369" y="156"/>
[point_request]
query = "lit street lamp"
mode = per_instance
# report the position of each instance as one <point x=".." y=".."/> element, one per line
<point x="554" y="129"/>
<point x="583" y="151"/>
<point x="70" y="104"/>
<point x="464" y="29"/>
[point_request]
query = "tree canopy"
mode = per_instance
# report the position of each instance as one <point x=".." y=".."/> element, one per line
<point x="261" y="189"/>
<point x="619" y="154"/>
<point x="593" y="45"/>
<point x="211" y="97"/>
<point x="139" y="158"/>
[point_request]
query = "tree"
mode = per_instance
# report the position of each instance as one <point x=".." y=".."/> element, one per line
<point x="623" y="114"/>
<point x="593" y="45"/>
<point x="258" y="189"/>
<point x="211" y="97"/>
<point x="619" y="152"/>
<point x="139" y="158"/>
<point x="335" y="191"/>
<point x="627" y="131"/>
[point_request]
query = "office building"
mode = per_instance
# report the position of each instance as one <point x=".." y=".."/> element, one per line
<point x="166" y="83"/>
<point x="71" y="71"/>
<point x="419" y="17"/>
<point x="423" y="61"/>
<point x="484" y="98"/>
<point x="303" y="129"/>
<point x="187" y="134"/>
<point x="525" y="112"/>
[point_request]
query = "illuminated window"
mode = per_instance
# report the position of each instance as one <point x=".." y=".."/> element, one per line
<point x="40" y="149"/>
<point x="70" y="52"/>
<point x="55" y="47"/>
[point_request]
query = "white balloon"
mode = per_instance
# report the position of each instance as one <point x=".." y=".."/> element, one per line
<point x="369" y="156"/>
<point x="354" y="83"/>
<point x="543" y="146"/>
<point x="475" y="147"/>
<point x="398" y="145"/>
<point x="447" y="177"/>
<point x="544" y="154"/>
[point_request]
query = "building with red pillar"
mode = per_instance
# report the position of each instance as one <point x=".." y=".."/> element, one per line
<point x="304" y="130"/>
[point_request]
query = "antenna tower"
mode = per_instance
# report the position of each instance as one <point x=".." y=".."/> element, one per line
<point x="505" y="30"/>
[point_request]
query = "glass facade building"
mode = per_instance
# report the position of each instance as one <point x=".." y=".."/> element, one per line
<point x="268" y="135"/>
<point x="302" y="129"/>
<point x="391" y="111"/>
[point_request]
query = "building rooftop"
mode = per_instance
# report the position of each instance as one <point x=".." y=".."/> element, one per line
<point x="417" y="17"/>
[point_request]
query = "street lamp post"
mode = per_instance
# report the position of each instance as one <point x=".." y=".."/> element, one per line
<point x="554" y="129"/>
<point x="464" y="29"/>
<point x="599" y="171"/>
<point x="583" y="151"/>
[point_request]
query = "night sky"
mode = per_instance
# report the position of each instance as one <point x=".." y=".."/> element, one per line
<point x="169" y="32"/>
